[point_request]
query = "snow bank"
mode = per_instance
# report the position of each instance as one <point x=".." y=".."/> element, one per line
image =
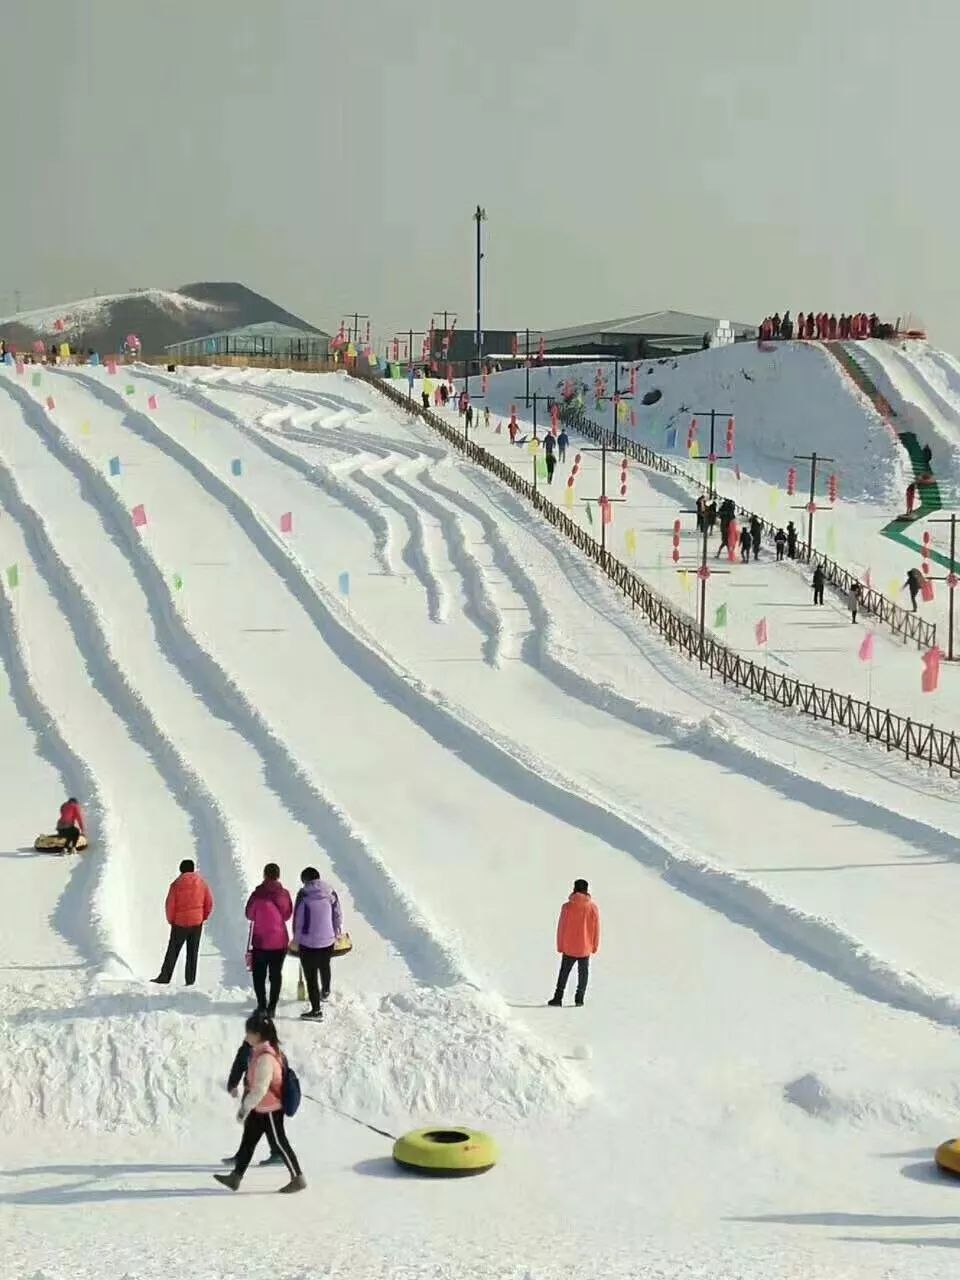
<point x="129" y="1062"/>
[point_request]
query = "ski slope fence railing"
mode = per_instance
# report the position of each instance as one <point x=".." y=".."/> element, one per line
<point x="917" y="741"/>
<point x="902" y="622"/>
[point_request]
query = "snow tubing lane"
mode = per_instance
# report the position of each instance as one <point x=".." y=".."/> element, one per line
<point x="446" y="1153"/>
<point x="948" y="1156"/>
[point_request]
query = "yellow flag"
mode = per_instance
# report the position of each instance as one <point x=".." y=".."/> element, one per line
<point x="831" y="538"/>
<point x="694" y="449"/>
<point x="64" y="350"/>
<point x="774" y="499"/>
<point x="568" y="496"/>
<point x="630" y="538"/>
<point x="685" y="579"/>
<point x="893" y="587"/>
<point x="85" y="428"/>
<point x="534" y="445"/>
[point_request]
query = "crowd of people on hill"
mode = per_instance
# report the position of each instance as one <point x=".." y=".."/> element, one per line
<point x="824" y="326"/>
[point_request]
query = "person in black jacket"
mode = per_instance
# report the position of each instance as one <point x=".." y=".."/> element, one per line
<point x="745" y="541"/>
<point x="756" y="534"/>
<point x="818" y="583"/>
<point x="791" y="540"/>
<point x="234" y="1080"/>
<point x="781" y="541"/>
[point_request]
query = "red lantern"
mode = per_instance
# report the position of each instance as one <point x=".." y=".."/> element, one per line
<point x="927" y="539"/>
<point x="730" y="435"/>
<point x="676" y="529"/>
<point x="925" y="569"/>
<point x="577" y="459"/>
<point x="676" y="555"/>
<point x="832" y="486"/>
<point x="484" y="382"/>
<point x="570" y="481"/>
<point x="623" y="491"/>
<point x="791" y="481"/>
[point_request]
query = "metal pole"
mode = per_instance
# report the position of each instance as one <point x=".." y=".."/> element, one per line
<point x="616" y="393"/>
<point x="480" y="216"/>
<point x="713" y="451"/>
<point x="703" y="593"/>
<point x="603" y="495"/>
<point x="813" y="490"/>
<point x="526" y="349"/>
<point x="953" y="569"/>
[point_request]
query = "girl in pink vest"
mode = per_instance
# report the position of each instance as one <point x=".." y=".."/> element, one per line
<point x="261" y="1110"/>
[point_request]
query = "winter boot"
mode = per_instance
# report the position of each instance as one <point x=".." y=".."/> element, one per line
<point x="299" y="1183"/>
<point x="229" y="1180"/>
<point x="555" y="1003"/>
<point x="274" y="1158"/>
<point x="312" y="1015"/>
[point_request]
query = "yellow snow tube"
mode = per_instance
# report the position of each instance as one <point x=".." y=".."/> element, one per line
<point x="948" y="1156"/>
<point x="446" y="1153"/>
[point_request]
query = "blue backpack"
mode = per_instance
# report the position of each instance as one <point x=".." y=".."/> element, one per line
<point x="290" y="1094"/>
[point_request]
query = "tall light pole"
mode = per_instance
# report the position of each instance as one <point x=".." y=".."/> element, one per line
<point x="479" y="217"/>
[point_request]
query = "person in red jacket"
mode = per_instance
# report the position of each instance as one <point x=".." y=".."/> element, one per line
<point x="189" y="907"/>
<point x="578" y="938"/>
<point x="71" y="824"/>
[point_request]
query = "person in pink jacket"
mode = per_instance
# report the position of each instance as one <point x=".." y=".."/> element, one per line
<point x="261" y="1111"/>
<point x="268" y="909"/>
<point x="578" y="938"/>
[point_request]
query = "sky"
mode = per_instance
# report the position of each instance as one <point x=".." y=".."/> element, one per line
<point x="729" y="158"/>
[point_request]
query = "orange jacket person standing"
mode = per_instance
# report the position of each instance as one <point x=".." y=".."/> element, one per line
<point x="578" y="938"/>
<point x="189" y="906"/>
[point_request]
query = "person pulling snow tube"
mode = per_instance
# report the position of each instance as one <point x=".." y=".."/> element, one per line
<point x="446" y="1153"/>
<point x="948" y="1156"/>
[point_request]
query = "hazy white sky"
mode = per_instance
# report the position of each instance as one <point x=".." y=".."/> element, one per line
<point x="725" y="156"/>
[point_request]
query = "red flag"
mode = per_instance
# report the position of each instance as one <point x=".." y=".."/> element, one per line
<point x="606" y="510"/>
<point x="286" y="522"/>
<point x="139" y="516"/>
<point x="931" y="670"/>
<point x="865" y="651"/>
<point x="761" y="631"/>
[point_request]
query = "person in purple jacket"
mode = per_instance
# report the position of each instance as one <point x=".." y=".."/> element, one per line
<point x="268" y="910"/>
<point x="317" y="923"/>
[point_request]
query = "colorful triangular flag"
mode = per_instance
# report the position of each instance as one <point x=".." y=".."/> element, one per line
<point x="720" y="617"/>
<point x="13" y="576"/>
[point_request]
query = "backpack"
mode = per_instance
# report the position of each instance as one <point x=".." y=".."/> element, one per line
<point x="290" y="1092"/>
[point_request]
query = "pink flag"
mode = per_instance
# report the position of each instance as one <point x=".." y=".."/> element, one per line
<point x="931" y="670"/>
<point x="866" y="648"/>
<point x="761" y="631"/>
<point x="868" y="580"/>
<point x="20" y="368"/>
<point x="139" y="516"/>
<point x="50" y="404"/>
<point x="111" y="366"/>
<point x="286" y="522"/>
<point x="152" y="402"/>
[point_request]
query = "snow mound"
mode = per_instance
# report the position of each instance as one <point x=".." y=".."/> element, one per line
<point x="128" y="1063"/>
<point x="863" y="1105"/>
<point x="74" y="316"/>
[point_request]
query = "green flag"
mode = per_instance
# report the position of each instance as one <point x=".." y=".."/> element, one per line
<point x="542" y="467"/>
<point x="36" y="379"/>
<point x="590" y="513"/>
<point x="721" y="617"/>
<point x="130" y="390"/>
<point x="177" y="582"/>
<point x="13" y="576"/>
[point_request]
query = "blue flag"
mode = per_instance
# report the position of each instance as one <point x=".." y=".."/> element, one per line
<point x="114" y="466"/>
<point x="671" y="438"/>
<point x="344" y="583"/>
<point x="236" y="466"/>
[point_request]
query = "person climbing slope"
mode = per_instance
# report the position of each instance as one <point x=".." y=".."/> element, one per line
<point x="268" y="909"/>
<point x="71" y="824"/>
<point x="317" y="923"/>
<point x="914" y="585"/>
<point x="189" y="906"/>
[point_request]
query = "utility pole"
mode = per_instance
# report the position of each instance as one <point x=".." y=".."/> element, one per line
<point x="353" y="331"/>
<point x="950" y="578"/>
<point x="479" y="217"/>
<point x="526" y="348"/>
<point x="448" y="316"/>
<point x="814" y="459"/>
<point x="704" y="573"/>
<point x="616" y="401"/>
<point x="602" y="499"/>
<point x="713" y="457"/>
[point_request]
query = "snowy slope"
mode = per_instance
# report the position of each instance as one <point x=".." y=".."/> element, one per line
<point x="74" y="318"/>
<point x="479" y="722"/>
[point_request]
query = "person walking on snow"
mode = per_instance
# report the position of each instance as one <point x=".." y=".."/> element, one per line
<point x="756" y="534"/>
<point x="578" y="938"/>
<point x="71" y="824"/>
<point x="818" y="584"/>
<point x="780" y="540"/>
<point x="911" y="496"/>
<point x="486" y="416"/>
<point x="268" y="909"/>
<point x="854" y="597"/>
<point x="562" y="441"/>
<point x="189" y="907"/>
<point x="791" y="540"/>
<point x="551" y="461"/>
<point x="745" y="544"/>
<point x="317" y="923"/>
<point x="237" y="1073"/>
<point x="914" y="585"/>
<point x="261" y="1110"/>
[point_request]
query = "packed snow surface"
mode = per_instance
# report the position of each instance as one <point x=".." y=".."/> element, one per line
<point x="451" y="733"/>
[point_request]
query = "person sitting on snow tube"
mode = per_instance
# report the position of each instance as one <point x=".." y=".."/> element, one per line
<point x="70" y="825"/>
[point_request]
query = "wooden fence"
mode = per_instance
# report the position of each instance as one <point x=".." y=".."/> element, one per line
<point x="902" y="622"/>
<point x="897" y="733"/>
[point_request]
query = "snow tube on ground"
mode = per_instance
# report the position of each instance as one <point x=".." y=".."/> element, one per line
<point x="446" y="1153"/>
<point x="55" y="843"/>
<point x="948" y="1156"/>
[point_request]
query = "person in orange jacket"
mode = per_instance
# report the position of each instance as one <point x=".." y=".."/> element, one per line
<point x="189" y="907"/>
<point x="578" y="938"/>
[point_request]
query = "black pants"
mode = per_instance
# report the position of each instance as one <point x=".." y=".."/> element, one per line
<point x="779" y="550"/>
<point x="316" y="971"/>
<point x="551" y="466"/>
<point x="818" y="595"/>
<point x="268" y="962"/>
<point x="913" y="601"/>
<point x="562" y="452"/>
<point x="792" y="550"/>
<point x="71" y="835"/>
<point x="271" y="1143"/>
<point x="180" y="934"/>
<point x="426" y="400"/>
<point x="583" y="974"/>
<point x="255" y="1126"/>
<point x="756" y="550"/>
<point x="745" y="552"/>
